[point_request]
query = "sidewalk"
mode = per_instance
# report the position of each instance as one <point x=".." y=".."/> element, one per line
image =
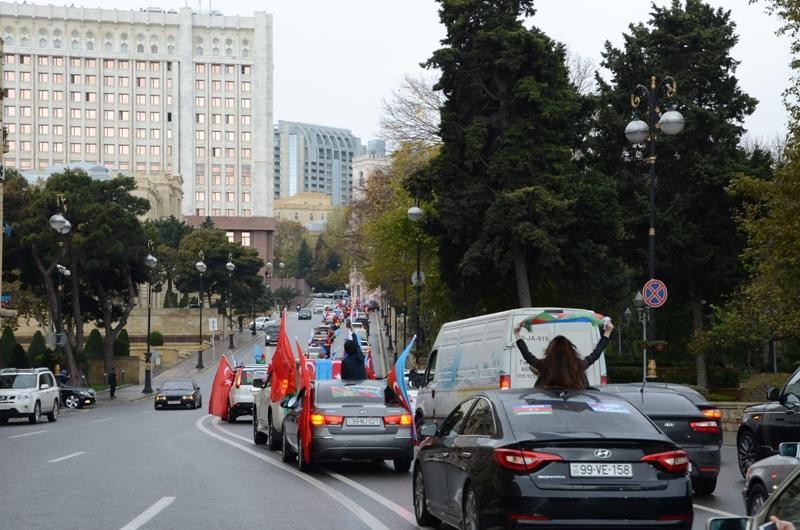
<point x="185" y="369"/>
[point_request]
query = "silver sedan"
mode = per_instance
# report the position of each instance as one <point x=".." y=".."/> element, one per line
<point x="766" y="475"/>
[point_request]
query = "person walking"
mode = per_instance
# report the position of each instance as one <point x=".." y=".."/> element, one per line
<point x="562" y="366"/>
<point x="353" y="363"/>
<point x="64" y="376"/>
<point x="112" y="381"/>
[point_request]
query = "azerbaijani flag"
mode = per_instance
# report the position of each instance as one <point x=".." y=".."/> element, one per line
<point x="397" y="382"/>
<point x="575" y="315"/>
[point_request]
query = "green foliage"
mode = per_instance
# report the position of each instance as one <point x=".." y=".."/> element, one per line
<point x="93" y="349"/>
<point x="122" y="344"/>
<point x="184" y="301"/>
<point x="284" y="295"/>
<point x="156" y="338"/>
<point x="7" y="343"/>
<point x="723" y="378"/>
<point x="171" y="299"/>
<point x="755" y="388"/>
<point x="305" y="259"/>
<point x="289" y="236"/>
<point x="38" y="352"/>
<point x="18" y="357"/>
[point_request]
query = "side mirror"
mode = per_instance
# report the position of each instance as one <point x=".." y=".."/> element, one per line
<point x="773" y="394"/>
<point x="789" y="449"/>
<point x="258" y="383"/>
<point x="727" y="523"/>
<point x="429" y="429"/>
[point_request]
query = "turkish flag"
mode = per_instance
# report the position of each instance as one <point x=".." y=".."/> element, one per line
<point x="220" y="389"/>
<point x="283" y="367"/>
<point x="304" y="422"/>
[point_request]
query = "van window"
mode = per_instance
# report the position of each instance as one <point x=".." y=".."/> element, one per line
<point x="430" y="371"/>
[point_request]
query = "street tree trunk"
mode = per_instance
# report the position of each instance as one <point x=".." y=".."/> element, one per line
<point x="521" y="273"/>
<point x="700" y="360"/>
<point x="111" y="332"/>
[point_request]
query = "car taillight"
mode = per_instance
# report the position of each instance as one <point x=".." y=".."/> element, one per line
<point x="671" y="461"/>
<point x="523" y="461"/>
<point x="714" y="414"/>
<point x="238" y="378"/>
<point x="401" y="419"/>
<point x="505" y="382"/>
<point x="603" y="379"/>
<point x="326" y="419"/>
<point x="710" y="427"/>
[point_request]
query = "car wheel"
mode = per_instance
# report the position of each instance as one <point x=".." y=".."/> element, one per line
<point x="470" y="513"/>
<point x="402" y="464"/>
<point x="745" y="451"/>
<point x="704" y="485"/>
<point x="302" y="465"/>
<point x="259" y="438"/>
<point x="273" y="442"/>
<point x="36" y="416"/>
<point x="756" y="498"/>
<point x="231" y="416"/>
<point x="52" y="416"/>
<point x="424" y="518"/>
<point x="286" y="453"/>
<point x="72" y="401"/>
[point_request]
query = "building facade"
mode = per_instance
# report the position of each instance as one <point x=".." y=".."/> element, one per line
<point x="4" y="311"/>
<point x="366" y="166"/>
<point x="310" y="209"/>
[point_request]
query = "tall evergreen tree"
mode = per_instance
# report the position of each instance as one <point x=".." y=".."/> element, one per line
<point x="305" y="259"/>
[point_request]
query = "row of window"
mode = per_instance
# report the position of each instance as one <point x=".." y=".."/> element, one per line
<point x="91" y="114"/>
<point x="216" y="85"/>
<point x="25" y="146"/>
<point x="230" y="213"/>
<point x="121" y="64"/>
<point x="25" y="94"/>
<point x="216" y="119"/>
<point x="44" y="163"/>
<point x="216" y="196"/>
<point x="230" y="103"/>
<point x="216" y="180"/>
<point x="217" y="69"/>
<point x="230" y="136"/>
<point x="217" y="152"/>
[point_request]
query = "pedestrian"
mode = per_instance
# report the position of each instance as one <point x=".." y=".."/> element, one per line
<point x="112" y="381"/>
<point x="64" y="376"/>
<point x="562" y="367"/>
<point x="241" y="320"/>
<point x="353" y="363"/>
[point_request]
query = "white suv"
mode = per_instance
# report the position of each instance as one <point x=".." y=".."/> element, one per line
<point x="242" y="392"/>
<point x="27" y="393"/>
<point x="267" y="415"/>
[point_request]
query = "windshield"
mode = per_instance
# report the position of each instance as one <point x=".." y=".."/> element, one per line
<point x="17" y="381"/>
<point x="177" y="385"/>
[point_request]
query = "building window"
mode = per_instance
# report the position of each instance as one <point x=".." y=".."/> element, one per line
<point x="200" y="118"/>
<point x="246" y="196"/>
<point x="216" y="196"/>
<point x="230" y="103"/>
<point x="246" y="153"/>
<point x="123" y="132"/>
<point x="230" y="236"/>
<point x="91" y="132"/>
<point x="229" y="86"/>
<point x="108" y="132"/>
<point x="75" y="149"/>
<point x="216" y="85"/>
<point x="90" y="148"/>
<point x="58" y="95"/>
<point x="245" y="239"/>
<point x="199" y="101"/>
<point x="200" y="196"/>
<point x="200" y="152"/>
<point x="155" y="117"/>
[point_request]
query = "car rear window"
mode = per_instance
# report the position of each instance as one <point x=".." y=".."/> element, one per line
<point x="249" y="375"/>
<point x="661" y="403"/>
<point x="565" y="416"/>
<point x="344" y="393"/>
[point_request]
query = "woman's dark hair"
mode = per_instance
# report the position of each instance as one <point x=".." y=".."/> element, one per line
<point x="350" y="347"/>
<point x="561" y="366"/>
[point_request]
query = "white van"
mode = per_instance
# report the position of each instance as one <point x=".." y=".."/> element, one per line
<point x="480" y="353"/>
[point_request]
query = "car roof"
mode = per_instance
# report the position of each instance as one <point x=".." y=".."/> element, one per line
<point x="686" y="391"/>
<point x="660" y="401"/>
<point x="323" y="383"/>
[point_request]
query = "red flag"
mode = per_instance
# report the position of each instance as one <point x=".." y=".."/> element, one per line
<point x="304" y="425"/>
<point x="284" y="374"/>
<point x="220" y="389"/>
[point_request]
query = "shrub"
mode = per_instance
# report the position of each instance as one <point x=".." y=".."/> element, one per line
<point x="122" y="344"/>
<point x="184" y="301"/>
<point x="7" y="343"/>
<point x="723" y="378"/>
<point x="18" y="357"/>
<point x="755" y="388"/>
<point x="93" y="348"/>
<point x="156" y="338"/>
<point x="38" y="352"/>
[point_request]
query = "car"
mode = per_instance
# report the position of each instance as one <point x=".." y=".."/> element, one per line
<point x="178" y="393"/>
<point x="356" y="420"/>
<point x="271" y="333"/>
<point x="411" y="388"/>
<point x="364" y="321"/>
<point x="709" y="410"/>
<point x="304" y="314"/>
<point x="76" y="397"/>
<point x="260" y="323"/>
<point x="242" y="392"/>
<point x="267" y="414"/>
<point x="766" y="475"/>
<point x="319" y="309"/>
<point x="28" y="393"/>
<point x="687" y="426"/>
<point x="765" y="426"/>
<point x="538" y="458"/>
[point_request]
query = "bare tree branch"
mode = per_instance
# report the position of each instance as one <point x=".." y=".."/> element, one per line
<point x="581" y="71"/>
<point x="411" y="115"/>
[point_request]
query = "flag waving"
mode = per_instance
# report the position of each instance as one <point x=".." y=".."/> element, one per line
<point x="576" y="315"/>
<point x="397" y="382"/>
<point x="284" y="375"/>
<point x="304" y="422"/>
<point x="218" y="402"/>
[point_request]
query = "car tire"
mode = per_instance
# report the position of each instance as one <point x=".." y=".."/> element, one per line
<point x="302" y="465"/>
<point x="259" y="438"/>
<point x="704" y="486"/>
<point x="273" y="442"/>
<point x="286" y="452"/>
<point x="36" y="416"/>
<point x="756" y="498"/>
<point x="52" y="416"/>
<point x="470" y="513"/>
<point x="72" y="402"/>
<point x="402" y="464"/>
<point x="746" y="451"/>
<point x="423" y="516"/>
<point x="231" y="416"/>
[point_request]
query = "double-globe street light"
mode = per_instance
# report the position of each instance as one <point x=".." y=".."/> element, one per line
<point x="60" y="224"/>
<point x="201" y="268"/>
<point x="150" y="262"/>
<point x="638" y="132"/>
<point x="415" y="215"/>
<point x="231" y="267"/>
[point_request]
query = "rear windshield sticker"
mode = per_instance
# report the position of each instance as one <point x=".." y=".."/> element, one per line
<point x="618" y="408"/>
<point x="522" y="410"/>
<point x="356" y="391"/>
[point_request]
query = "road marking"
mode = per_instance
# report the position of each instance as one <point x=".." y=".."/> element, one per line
<point x="370" y="520"/>
<point x="102" y="419"/>
<point x="26" y="434"/>
<point x="149" y="513"/>
<point x="715" y="511"/>
<point x="396" y="508"/>
<point x="73" y="455"/>
<point x="148" y="412"/>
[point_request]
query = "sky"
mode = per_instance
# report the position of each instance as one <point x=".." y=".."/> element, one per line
<point x="336" y="60"/>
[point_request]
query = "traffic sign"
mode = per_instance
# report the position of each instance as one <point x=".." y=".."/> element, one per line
<point x="654" y="293"/>
<point x="212" y="324"/>
<point x="414" y="278"/>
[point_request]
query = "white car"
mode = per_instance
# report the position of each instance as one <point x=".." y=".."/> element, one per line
<point x="319" y="309"/>
<point x="267" y="415"/>
<point x="28" y="393"/>
<point x="242" y="392"/>
<point x="261" y="323"/>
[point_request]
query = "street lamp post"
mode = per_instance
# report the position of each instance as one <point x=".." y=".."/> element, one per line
<point x="201" y="268"/>
<point x="269" y="279"/>
<point x="638" y="132"/>
<point x="150" y="262"/>
<point x="60" y="224"/>
<point x="644" y="317"/>
<point x="415" y="214"/>
<point x="231" y="267"/>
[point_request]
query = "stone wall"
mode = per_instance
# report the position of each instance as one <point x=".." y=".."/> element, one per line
<point x="732" y="414"/>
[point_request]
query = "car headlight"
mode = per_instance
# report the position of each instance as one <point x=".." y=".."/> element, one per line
<point x="267" y="336"/>
<point x="160" y="397"/>
<point x="188" y="397"/>
<point x="84" y="393"/>
<point x="23" y="396"/>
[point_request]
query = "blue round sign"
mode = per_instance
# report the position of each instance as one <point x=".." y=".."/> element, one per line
<point x="654" y="293"/>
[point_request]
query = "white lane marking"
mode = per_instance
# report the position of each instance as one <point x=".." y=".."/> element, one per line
<point x="73" y="455"/>
<point x="148" y="412"/>
<point x="149" y="513"/>
<point x="718" y="512"/>
<point x="102" y="419"/>
<point x="396" y="508"/>
<point x="26" y="434"/>
<point x="370" y="520"/>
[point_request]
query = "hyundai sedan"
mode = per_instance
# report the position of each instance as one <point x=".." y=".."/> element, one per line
<point x="550" y="459"/>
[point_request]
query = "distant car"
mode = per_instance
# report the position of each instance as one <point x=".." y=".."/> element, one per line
<point x="319" y="309"/>
<point x="76" y="397"/>
<point x="271" y="331"/>
<point x="242" y="392"/>
<point x="766" y="475"/>
<point x="364" y="321"/>
<point x="260" y="323"/>
<point x="536" y="458"/>
<point x="304" y="314"/>
<point x="708" y="409"/>
<point x="178" y="393"/>
<point x="350" y="420"/>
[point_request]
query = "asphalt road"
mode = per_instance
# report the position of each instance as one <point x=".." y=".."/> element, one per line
<point x="124" y="465"/>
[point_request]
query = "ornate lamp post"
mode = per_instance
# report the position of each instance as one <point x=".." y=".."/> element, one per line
<point x="150" y="262"/>
<point x="644" y="317"/>
<point x="269" y="279"/>
<point x="415" y="215"/>
<point x="231" y="267"/>
<point x="201" y="268"/>
<point x="60" y="224"/>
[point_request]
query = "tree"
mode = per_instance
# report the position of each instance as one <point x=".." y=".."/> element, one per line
<point x="411" y="116"/>
<point x="167" y="234"/>
<point x="288" y="238"/>
<point x="94" y="345"/>
<point x="7" y="343"/>
<point x="285" y="295"/>
<point x="122" y="345"/>
<point x="18" y="357"/>
<point x="305" y="259"/>
<point x="38" y="352"/>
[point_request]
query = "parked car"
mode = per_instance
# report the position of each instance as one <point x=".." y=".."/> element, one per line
<point x="319" y="309"/>
<point x="28" y="393"/>
<point x="766" y="425"/>
<point x="178" y="393"/>
<point x="260" y="323"/>
<point x="76" y="397"/>
<point x="304" y="314"/>
<point x="687" y="426"/>
<point x="241" y="395"/>
<point x="766" y="475"/>
<point x="566" y="459"/>
<point x="708" y="409"/>
<point x="351" y="420"/>
<point x="271" y="331"/>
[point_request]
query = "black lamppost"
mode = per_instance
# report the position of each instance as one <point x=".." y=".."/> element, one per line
<point x="415" y="214"/>
<point x="201" y="268"/>
<point x="150" y="262"/>
<point x="269" y="280"/>
<point x="644" y="317"/>
<point x="231" y="267"/>
<point x="60" y="224"/>
<point x="638" y="132"/>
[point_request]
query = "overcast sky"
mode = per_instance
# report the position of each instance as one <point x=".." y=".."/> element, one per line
<point x="336" y="59"/>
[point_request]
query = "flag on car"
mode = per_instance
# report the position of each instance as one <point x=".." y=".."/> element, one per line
<point x="576" y="315"/>
<point x="284" y="378"/>
<point x="220" y="389"/>
<point x="397" y="382"/>
<point x="304" y="425"/>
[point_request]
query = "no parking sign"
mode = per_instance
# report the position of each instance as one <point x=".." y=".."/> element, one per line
<point x="654" y="293"/>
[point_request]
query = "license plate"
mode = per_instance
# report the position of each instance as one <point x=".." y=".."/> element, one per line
<point x="173" y="402"/>
<point x="601" y="469"/>
<point x="362" y="422"/>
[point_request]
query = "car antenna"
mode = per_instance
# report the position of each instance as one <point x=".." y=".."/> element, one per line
<point x="564" y="394"/>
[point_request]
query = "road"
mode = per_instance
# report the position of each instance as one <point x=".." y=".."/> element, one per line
<point x="124" y="465"/>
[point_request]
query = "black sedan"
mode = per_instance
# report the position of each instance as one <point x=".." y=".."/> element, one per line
<point x="75" y="397"/>
<point x="304" y="314"/>
<point x="179" y="393"/>
<point x="708" y="409"/>
<point x="687" y="426"/>
<point x="546" y="458"/>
